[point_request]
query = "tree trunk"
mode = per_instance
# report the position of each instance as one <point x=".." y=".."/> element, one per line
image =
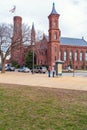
<point x="3" y="69"/>
<point x="3" y="65"/>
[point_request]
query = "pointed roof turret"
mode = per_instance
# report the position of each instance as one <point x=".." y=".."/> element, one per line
<point x="54" y="10"/>
<point x="43" y="36"/>
<point x="33" y="34"/>
<point x="33" y="27"/>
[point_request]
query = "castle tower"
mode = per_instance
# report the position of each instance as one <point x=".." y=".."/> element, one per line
<point x="54" y="37"/>
<point x="17" y="33"/>
<point x="17" y="47"/>
<point x="33" y="35"/>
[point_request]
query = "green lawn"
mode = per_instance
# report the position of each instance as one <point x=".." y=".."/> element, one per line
<point x="35" y="108"/>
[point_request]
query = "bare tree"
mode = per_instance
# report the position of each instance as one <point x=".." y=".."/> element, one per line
<point x="7" y="42"/>
<point x="39" y="35"/>
<point x="26" y="34"/>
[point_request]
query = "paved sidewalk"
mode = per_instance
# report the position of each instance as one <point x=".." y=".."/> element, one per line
<point x="66" y="82"/>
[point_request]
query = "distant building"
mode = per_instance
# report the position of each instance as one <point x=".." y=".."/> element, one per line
<point x="52" y="47"/>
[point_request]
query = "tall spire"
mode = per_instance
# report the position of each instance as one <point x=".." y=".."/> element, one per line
<point x="53" y="9"/>
<point x="32" y="34"/>
<point x="33" y="26"/>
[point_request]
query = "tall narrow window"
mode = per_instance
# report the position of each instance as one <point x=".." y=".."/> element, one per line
<point x="70" y="55"/>
<point x="41" y="61"/>
<point x="55" y="24"/>
<point x="76" y="55"/>
<point x="80" y="56"/>
<point x="64" y="55"/>
<point x="54" y="49"/>
<point x="86" y="56"/>
<point x="55" y="35"/>
<point x="55" y="58"/>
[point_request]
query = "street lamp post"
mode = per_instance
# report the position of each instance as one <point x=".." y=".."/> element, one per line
<point x="33" y="58"/>
<point x="73" y="67"/>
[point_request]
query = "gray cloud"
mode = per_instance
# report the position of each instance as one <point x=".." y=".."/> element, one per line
<point x="76" y="2"/>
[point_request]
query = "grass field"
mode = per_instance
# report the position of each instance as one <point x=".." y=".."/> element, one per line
<point x="35" y="108"/>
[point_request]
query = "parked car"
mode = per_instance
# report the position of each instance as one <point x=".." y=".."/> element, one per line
<point x="9" y="68"/>
<point x="41" y="69"/>
<point x="35" y="70"/>
<point x="68" y="69"/>
<point x="24" y="69"/>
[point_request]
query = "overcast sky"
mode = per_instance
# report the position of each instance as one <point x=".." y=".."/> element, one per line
<point x="73" y="15"/>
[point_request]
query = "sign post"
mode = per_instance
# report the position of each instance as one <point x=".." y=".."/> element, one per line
<point x="59" y="67"/>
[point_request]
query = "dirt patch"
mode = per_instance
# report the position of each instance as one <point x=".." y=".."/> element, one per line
<point x="42" y="80"/>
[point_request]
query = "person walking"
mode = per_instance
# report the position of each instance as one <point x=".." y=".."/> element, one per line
<point x="53" y="71"/>
<point x="49" y="71"/>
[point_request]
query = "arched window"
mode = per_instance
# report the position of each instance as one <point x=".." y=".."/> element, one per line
<point x="86" y="56"/>
<point x="55" y="58"/>
<point x="55" y="35"/>
<point x="64" y="55"/>
<point x="55" y="23"/>
<point x="55" y="49"/>
<point x="76" y="56"/>
<point x="80" y="56"/>
<point x="70" y="55"/>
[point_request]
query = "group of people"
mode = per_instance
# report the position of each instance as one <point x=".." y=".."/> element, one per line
<point x="51" y="71"/>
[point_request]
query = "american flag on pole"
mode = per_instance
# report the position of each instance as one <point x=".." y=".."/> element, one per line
<point x="13" y="9"/>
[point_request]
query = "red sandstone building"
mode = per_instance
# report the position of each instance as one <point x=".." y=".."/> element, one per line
<point x="51" y="48"/>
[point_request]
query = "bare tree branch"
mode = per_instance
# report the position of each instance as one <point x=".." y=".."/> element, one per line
<point x="7" y="40"/>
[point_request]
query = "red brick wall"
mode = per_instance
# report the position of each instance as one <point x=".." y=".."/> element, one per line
<point x="54" y="36"/>
<point x="77" y="64"/>
<point x="46" y="55"/>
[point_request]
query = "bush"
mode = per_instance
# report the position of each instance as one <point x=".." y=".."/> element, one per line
<point x="15" y="64"/>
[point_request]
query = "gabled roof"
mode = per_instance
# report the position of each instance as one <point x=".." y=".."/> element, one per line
<point x="72" y="41"/>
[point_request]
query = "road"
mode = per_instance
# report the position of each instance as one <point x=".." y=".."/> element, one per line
<point x="76" y="73"/>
